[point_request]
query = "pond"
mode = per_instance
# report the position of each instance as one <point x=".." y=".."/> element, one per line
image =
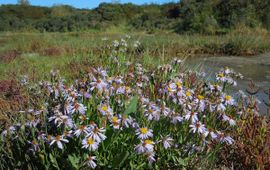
<point x="255" y="68"/>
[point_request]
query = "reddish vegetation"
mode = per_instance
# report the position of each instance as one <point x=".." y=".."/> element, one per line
<point x="11" y="98"/>
<point x="252" y="147"/>
<point x="52" y="51"/>
<point x="10" y="56"/>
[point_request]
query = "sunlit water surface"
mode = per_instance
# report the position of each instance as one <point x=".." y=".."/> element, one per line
<point x="256" y="68"/>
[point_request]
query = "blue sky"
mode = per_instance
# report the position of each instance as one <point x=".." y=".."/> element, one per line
<point x="83" y="3"/>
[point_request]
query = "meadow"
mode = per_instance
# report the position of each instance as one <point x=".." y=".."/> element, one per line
<point x="115" y="101"/>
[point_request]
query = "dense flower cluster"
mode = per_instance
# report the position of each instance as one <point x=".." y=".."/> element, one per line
<point x="170" y="106"/>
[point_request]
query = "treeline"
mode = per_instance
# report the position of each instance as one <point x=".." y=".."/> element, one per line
<point x="193" y="16"/>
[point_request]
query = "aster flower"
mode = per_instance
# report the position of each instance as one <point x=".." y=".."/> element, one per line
<point x="77" y="107"/>
<point x="175" y="117"/>
<point x="226" y="139"/>
<point x="167" y="141"/>
<point x="127" y="121"/>
<point x="144" y="133"/>
<point x="115" y="122"/>
<point x="198" y="127"/>
<point x="98" y="84"/>
<point x="228" y="100"/>
<point x="152" y="112"/>
<point x="82" y="130"/>
<point x="189" y="94"/>
<point x="97" y="134"/>
<point x="229" y="119"/>
<point x="67" y="121"/>
<point x="90" y="143"/>
<point x="150" y="157"/>
<point x="91" y="162"/>
<point x="34" y="146"/>
<point x="145" y="146"/>
<point x="192" y="116"/>
<point x="100" y="72"/>
<point x="58" y="140"/>
<point x="105" y="109"/>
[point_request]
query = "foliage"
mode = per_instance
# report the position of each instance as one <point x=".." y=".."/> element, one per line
<point x="207" y="16"/>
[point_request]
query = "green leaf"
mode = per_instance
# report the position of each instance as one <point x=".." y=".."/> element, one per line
<point x="74" y="160"/>
<point x="120" y="159"/>
<point x="54" y="161"/>
<point x="132" y="107"/>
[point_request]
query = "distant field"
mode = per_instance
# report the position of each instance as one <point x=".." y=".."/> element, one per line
<point x="36" y="53"/>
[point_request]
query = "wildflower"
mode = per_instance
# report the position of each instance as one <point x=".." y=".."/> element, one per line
<point x="175" y="117"/>
<point x="123" y="90"/>
<point x="229" y="119"/>
<point x="34" y="146"/>
<point x="192" y="115"/>
<point x="149" y="145"/>
<point x="126" y="121"/>
<point x="228" y="100"/>
<point x="90" y="162"/>
<point x="224" y="138"/>
<point x="66" y="121"/>
<point x="167" y="141"/>
<point x="150" y="157"/>
<point x="11" y="130"/>
<point x="58" y="140"/>
<point x="77" y="107"/>
<point x="198" y="127"/>
<point x="115" y="122"/>
<point x="172" y="88"/>
<point x="201" y="102"/>
<point x="33" y="122"/>
<point x="83" y="119"/>
<point x="100" y="72"/>
<point x="215" y="88"/>
<point x="165" y="110"/>
<point x="145" y="146"/>
<point x="98" y="84"/>
<point x="90" y="143"/>
<point x="189" y="94"/>
<point x="153" y="112"/>
<point x="144" y="133"/>
<point x="82" y="129"/>
<point x="221" y="107"/>
<point x="97" y="134"/>
<point x="68" y="133"/>
<point x="212" y="134"/>
<point x="105" y="109"/>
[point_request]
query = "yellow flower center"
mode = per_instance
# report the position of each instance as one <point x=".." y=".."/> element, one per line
<point x="90" y="141"/>
<point x="227" y="97"/>
<point x="221" y="74"/>
<point x="127" y="88"/>
<point x="148" y="141"/>
<point x="114" y="119"/>
<point x="188" y="93"/>
<point x="200" y="97"/>
<point x="170" y="89"/>
<point x="179" y="84"/>
<point x="104" y="108"/>
<point x="144" y="130"/>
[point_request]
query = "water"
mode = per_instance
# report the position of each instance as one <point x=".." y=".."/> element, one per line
<point x="256" y="68"/>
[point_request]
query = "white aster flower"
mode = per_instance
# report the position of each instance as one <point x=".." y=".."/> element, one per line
<point x="144" y="133"/>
